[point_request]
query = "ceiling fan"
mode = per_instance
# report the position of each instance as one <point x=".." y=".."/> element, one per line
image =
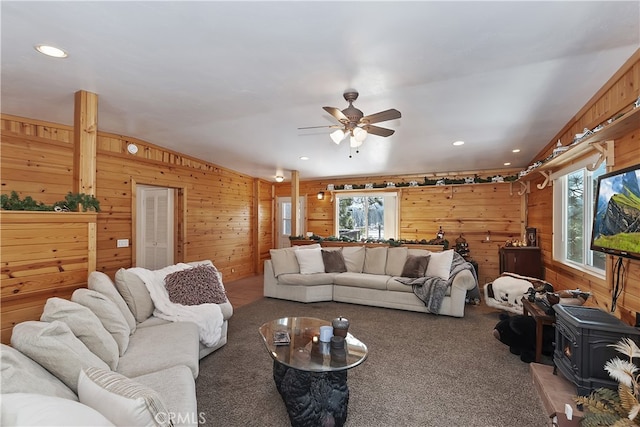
<point x="355" y="124"/>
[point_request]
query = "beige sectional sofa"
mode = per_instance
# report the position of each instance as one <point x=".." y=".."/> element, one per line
<point x="370" y="276"/>
<point x="104" y="358"/>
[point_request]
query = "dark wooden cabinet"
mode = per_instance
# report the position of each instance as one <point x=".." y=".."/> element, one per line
<point x="525" y="261"/>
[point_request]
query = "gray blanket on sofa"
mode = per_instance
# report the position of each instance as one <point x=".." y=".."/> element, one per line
<point x="431" y="290"/>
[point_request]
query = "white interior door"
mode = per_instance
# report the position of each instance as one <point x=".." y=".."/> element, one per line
<point x="283" y="219"/>
<point x="154" y="228"/>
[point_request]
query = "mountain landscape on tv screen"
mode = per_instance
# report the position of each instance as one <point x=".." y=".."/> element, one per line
<point x="617" y="221"/>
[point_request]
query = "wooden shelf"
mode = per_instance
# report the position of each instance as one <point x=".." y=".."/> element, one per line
<point x="600" y="141"/>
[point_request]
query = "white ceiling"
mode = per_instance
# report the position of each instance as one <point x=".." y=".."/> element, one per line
<point x="231" y="82"/>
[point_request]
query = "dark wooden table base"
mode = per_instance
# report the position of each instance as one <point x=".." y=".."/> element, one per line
<point x="313" y="398"/>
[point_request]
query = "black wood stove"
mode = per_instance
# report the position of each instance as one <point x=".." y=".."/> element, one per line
<point x="582" y="347"/>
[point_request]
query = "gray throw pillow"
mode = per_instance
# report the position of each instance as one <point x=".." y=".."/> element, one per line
<point x="195" y="286"/>
<point x="415" y="266"/>
<point x="135" y="294"/>
<point x="333" y="261"/>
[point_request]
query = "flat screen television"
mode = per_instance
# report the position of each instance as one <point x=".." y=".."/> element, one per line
<point x="616" y="217"/>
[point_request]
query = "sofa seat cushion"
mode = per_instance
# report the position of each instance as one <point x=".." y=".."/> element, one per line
<point x="315" y="279"/>
<point x="394" y="285"/>
<point x="20" y="374"/>
<point x="362" y="280"/>
<point x="159" y="347"/>
<point x="177" y="388"/>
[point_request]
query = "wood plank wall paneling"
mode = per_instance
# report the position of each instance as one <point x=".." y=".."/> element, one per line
<point x="44" y="254"/>
<point x="467" y="209"/>
<point x="219" y="206"/>
<point x="615" y="97"/>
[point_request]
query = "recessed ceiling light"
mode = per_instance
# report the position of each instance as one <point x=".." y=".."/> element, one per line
<point x="458" y="143"/>
<point x="507" y="163"/>
<point x="51" y="51"/>
<point x="515" y="150"/>
<point x="304" y="158"/>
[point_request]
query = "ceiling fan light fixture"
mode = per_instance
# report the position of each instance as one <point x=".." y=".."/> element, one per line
<point x="337" y="136"/>
<point x="354" y="143"/>
<point x="360" y="134"/>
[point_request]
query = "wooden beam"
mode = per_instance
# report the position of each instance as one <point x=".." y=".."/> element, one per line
<point x="295" y="203"/>
<point x="85" y="134"/>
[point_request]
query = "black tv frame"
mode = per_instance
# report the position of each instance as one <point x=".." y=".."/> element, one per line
<point x="610" y="251"/>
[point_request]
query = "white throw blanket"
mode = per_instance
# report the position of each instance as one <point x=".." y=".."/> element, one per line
<point x="208" y="317"/>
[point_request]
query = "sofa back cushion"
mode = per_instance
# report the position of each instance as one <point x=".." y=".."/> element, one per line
<point x="284" y="261"/>
<point x="396" y="257"/>
<point x="85" y="325"/>
<point x="135" y="294"/>
<point x="310" y="260"/>
<point x="107" y="311"/>
<point x="375" y="260"/>
<point x="20" y="374"/>
<point x="100" y="282"/>
<point x="53" y="345"/>
<point x="354" y="258"/>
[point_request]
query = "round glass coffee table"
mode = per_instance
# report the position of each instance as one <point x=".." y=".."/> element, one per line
<point x="310" y="375"/>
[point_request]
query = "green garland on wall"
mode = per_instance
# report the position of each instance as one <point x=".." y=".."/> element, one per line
<point x="70" y="204"/>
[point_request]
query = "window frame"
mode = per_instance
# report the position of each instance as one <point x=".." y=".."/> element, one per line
<point x="370" y="193"/>
<point x="560" y="219"/>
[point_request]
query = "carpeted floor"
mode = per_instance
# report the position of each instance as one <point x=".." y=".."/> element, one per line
<point x="422" y="370"/>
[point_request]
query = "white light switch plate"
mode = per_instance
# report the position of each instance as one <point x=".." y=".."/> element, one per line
<point x="123" y="243"/>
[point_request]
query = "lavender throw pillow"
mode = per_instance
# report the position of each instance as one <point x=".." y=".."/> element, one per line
<point x="194" y="286"/>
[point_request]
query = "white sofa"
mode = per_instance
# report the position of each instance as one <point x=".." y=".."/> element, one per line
<point x="370" y="278"/>
<point x="103" y="358"/>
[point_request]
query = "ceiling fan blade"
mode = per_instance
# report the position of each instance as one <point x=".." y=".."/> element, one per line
<point x="337" y="114"/>
<point x="382" y="116"/>
<point x="319" y="127"/>
<point x="377" y="130"/>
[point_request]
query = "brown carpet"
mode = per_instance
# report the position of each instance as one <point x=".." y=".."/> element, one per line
<point x="422" y="370"/>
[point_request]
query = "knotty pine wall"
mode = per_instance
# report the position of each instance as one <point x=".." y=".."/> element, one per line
<point x="622" y="90"/>
<point x="467" y="209"/>
<point x="223" y="215"/>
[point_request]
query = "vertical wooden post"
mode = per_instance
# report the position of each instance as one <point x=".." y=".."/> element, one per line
<point x="85" y="133"/>
<point x="295" y="202"/>
<point x="85" y="136"/>
<point x="255" y="225"/>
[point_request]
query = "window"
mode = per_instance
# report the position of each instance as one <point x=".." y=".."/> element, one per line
<point x="371" y="215"/>
<point x="573" y="203"/>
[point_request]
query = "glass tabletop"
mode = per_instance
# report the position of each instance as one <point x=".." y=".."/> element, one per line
<point x="305" y="351"/>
